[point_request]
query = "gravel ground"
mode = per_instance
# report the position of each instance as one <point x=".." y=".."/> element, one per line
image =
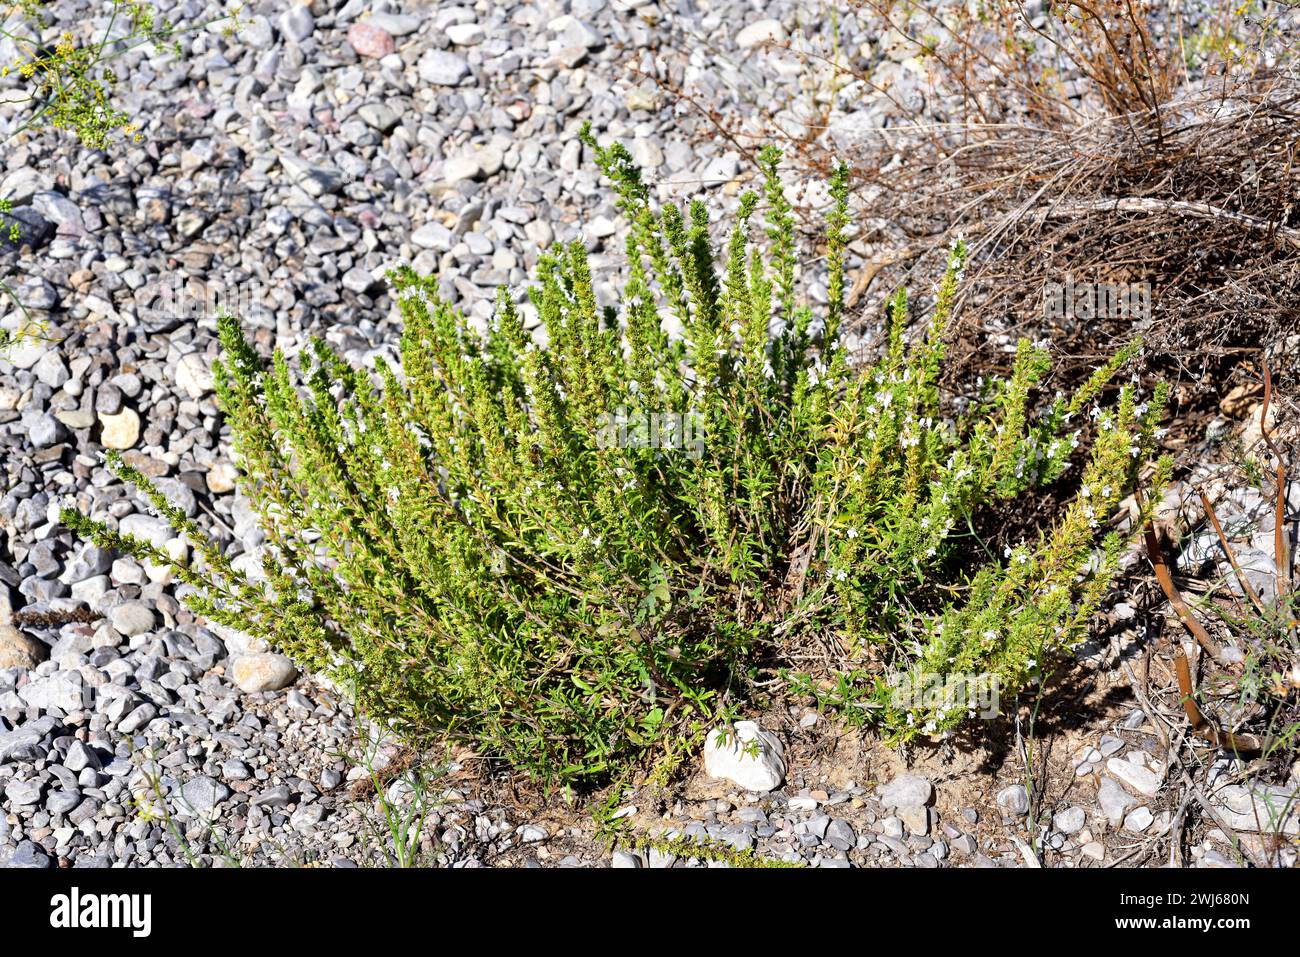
<point x="281" y="172"/>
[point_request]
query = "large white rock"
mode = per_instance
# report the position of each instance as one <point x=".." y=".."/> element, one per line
<point x="263" y="672"/>
<point x="1135" y="777"/>
<point x="1258" y="807"/>
<point x="121" y="430"/>
<point x="60" y="690"/>
<point x="745" y="755"/>
<point x="760" y="31"/>
<point x="18" y="650"/>
<point x="907" y="791"/>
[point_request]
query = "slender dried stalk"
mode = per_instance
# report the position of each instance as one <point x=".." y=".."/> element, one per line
<point x="1281" y="558"/>
<point x="1232" y="556"/>
<point x="1239" y="743"/>
<point x="1166" y="579"/>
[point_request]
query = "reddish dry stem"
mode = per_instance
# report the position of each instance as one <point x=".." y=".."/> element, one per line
<point x="1232" y="556"/>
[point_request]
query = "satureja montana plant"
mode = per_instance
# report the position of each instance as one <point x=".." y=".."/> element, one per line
<point x="468" y="544"/>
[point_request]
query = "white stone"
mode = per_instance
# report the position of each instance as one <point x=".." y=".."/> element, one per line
<point x="18" y="650"/>
<point x="399" y="25"/>
<point x="1138" y="820"/>
<point x="26" y="352"/>
<point x="148" y="528"/>
<point x="194" y="375"/>
<point x="1136" y="778"/>
<point x="442" y="68"/>
<point x="238" y="642"/>
<point x="60" y="690"/>
<point x="175" y="548"/>
<point x="746" y="755"/>
<point x="571" y="156"/>
<point x="720" y="169"/>
<point x="132" y="618"/>
<point x="457" y="169"/>
<point x="647" y="154"/>
<point x="575" y="33"/>
<point x="221" y="477"/>
<point x="51" y="370"/>
<point x="1014" y="800"/>
<point x="465" y="34"/>
<point x="120" y="431"/>
<point x="262" y="672"/>
<point x="916" y="819"/>
<point x="1113" y="800"/>
<point x="1070" y="820"/>
<point x="642" y="98"/>
<point x="540" y="232"/>
<point x="760" y="32"/>
<point x="90" y="590"/>
<point x="907" y="790"/>
<point x="1270" y="810"/>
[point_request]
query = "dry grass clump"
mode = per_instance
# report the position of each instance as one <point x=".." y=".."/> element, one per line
<point x="1114" y="142"/>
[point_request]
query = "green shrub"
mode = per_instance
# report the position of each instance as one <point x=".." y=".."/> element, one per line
<point x="480" y="545"/>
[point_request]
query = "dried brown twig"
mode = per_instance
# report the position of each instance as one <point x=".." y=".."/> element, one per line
<point x="1163" y="575"/>
<point x="1201" y="725"/>
<point x="1281" y="559"/>
<point x="1237" y="743"/>
<point x="1232" y="555"/>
